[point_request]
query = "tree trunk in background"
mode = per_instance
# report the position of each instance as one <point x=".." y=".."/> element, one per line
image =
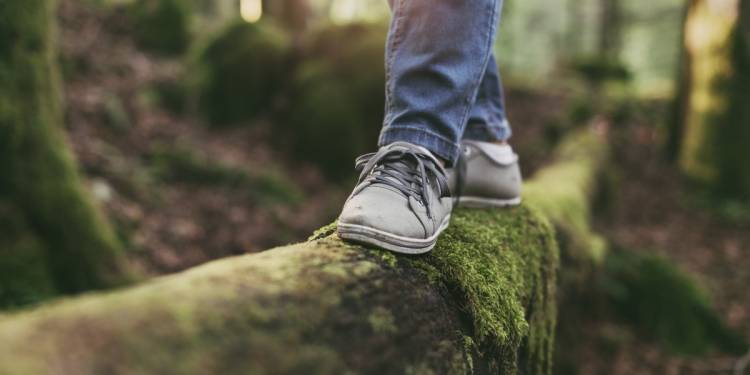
<point x="52" y="239"/>
<point x="716" y="130"/>
<point x="680" y="104"/>
<point x="575" y="27"/>
<point x="610" y="29"/>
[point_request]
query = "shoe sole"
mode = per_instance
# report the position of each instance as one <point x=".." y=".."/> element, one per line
<point x="384" y="240"/>
<point x="477" y="202"/>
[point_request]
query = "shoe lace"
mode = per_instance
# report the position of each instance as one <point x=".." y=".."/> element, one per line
<point x="395" y="173"/>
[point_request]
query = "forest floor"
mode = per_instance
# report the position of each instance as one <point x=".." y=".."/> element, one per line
<point x="179" y="193"/>
<point x="656" y="211"/>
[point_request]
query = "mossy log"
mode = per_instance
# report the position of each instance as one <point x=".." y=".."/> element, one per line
<point x="52" y="239"/>
<point x="483" y="301"/>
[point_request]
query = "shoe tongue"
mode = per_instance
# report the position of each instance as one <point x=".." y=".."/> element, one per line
<point x="409" y="163"/>
<point x="404" y="146"/>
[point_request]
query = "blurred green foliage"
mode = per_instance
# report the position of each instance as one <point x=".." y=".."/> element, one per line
<point x="536" y="37"/>
<point x="242" y="71"/>
<point x="597" y="70"/>
<point x="180" y="164"/>
<point x="338" y="96"/>
<point x="161" y="26"/>
<point x="667" y="304"/>
<point x="24" y="278"/>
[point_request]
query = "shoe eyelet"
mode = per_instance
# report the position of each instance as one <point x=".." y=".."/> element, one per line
<point x="420" y="203"/>
<point x="467" y="151"/>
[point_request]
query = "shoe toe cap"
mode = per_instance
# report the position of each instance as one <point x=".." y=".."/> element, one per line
<point x="392" y="216"/>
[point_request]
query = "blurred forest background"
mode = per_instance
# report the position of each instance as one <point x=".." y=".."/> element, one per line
<point x="142" y="137"/>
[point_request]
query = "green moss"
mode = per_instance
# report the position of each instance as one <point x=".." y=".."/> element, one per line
<point x="563" y="194"/>
<point x="161" y="26"/>
<point x="38" y="171"/>
<point x="667" y="304"/>
<point x="337" y="94"/>
<point x="24" y="276"/>
<point x="502" y="265"/>
<point x="242" y="71"/>
<point x="387" y="257"/>
<point x="324" y="232"/>
<point x="469" y="348"/>
<point x="382" y="321"/>
<point x="251" y="314"/>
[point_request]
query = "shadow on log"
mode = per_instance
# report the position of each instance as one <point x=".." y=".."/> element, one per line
<point x="483" y="301"/>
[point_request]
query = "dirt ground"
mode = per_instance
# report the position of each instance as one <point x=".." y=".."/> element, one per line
<point x="656" y="211"/>
<point x="170" y="225"/>
<point x="112" y="127"/>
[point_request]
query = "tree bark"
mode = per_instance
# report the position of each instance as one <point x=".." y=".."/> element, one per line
<point x="52" y="239"/>
<point x="716" y="129"/>
<point x="680" y="104"/>
<point x="328" y="307"/>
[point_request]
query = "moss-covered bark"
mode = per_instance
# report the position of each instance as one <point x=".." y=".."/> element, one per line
<point x="481" y="302"/>
<point x="56" y="233"/>
<point x="716" y="128"/>
<point x="564" y="194"/>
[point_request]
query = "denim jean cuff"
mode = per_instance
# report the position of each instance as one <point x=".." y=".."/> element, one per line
<point x="488" y="133"/>
<point x="420" y="137"/>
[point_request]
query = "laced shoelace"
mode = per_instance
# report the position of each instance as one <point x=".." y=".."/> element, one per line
<point x="394" y="172"/>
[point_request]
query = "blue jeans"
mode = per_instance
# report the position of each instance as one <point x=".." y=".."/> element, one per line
<point x="442" y="82"/>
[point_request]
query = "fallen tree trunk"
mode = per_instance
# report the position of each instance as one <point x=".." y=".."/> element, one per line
<point x="327" y="307"/>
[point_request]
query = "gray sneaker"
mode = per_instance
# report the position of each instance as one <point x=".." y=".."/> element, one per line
<point x="401" y="203"/>
<point x="486" y="175"/>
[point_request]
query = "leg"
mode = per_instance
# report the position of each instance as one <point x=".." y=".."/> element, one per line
<point x="437" y="54"/>
<point x="487" y="121"/>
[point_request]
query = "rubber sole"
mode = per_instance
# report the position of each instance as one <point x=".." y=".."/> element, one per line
<point x="477" y="202"/>
<point x="383" y="240"/>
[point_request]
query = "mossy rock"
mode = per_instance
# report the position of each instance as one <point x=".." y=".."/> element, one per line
<point x="242" y="70"/>
<point x="338" y="96"/>
<point x="161" y="26"/>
